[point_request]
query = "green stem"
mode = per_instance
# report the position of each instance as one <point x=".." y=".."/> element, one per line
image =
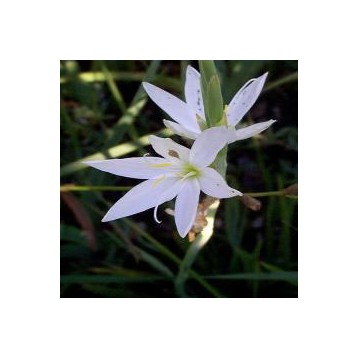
<point x="71" y="187"/>
<point x="271" y="193"/>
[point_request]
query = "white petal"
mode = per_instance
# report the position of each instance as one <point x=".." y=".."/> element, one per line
<point x="186" y="206"/>
<point x="138" y="168"/>
<point x="244" y="99"/>
<point x="250" y="131"/>
<point x="180" y="130"/>
<point x="207" y="145"/>
<point x="176" y="108"/>
<point x="213" y="184"/>
<point x="193" y="94"/>
<point x="168" y="149"/>
<point x="166" y="195"/>
<point x="143" y="196"/>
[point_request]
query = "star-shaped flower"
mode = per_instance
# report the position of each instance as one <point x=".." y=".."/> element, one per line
<point x="180" y="173"/>
<point x="190" y="115"/>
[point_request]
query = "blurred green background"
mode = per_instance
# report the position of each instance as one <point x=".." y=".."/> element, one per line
<point x="105" y="113"/>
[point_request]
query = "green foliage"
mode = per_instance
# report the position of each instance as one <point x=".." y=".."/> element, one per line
<point x="106" y="114"/>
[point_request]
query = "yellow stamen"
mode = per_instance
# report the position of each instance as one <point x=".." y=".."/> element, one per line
<point x="162" y="165"/>
<point x="158" y="180"/>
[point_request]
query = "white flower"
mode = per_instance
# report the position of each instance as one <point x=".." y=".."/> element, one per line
<point x="190" y="115"/>
<point x="181" y="173"/>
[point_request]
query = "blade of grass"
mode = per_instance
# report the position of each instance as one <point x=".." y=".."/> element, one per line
<point x="287" y="79"/>
<point x="101" y="77"/>
<point x="164" y="250"/>
<point x="125" y="123"/>
<point x="66" y="279"/>
<point x="69" y="126"/>
<point x="169" y="83"/>
<point x="172" y="257"/>
<point x="146" y="257"/>
<point x="261" y="162"/>
<point x="290" y="276"/>
<point x="270" y="227"/>
<point x="111" y="82"/>
<point x="257" y="268"/>
<point x="272" y="268"/>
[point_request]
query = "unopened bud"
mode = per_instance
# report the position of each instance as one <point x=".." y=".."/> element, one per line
<point x="291" y="190"/>
<point x="250" y="202"/>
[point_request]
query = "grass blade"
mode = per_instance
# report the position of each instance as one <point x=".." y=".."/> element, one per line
<point x="290" y="276"/>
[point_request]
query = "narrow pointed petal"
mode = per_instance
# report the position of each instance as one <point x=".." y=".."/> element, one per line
<point x="180" y="130"/>
<point x="207" y="145"/>
<point x="213" y="184"/>
<point x="244" y="99"/>
<point x="192" y="89"/>
<point x="180" y="111"/>
<point x="186" y="206"/>
<point x="143" y="196"/>
<point x="138" y="168"/>
<point x="250" y="131"/>
<point x="168" y="149"/>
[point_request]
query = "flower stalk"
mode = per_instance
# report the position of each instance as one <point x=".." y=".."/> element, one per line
<point x="211" y="90"/>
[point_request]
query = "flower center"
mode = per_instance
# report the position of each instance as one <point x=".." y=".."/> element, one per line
<point x="190" y="171"/>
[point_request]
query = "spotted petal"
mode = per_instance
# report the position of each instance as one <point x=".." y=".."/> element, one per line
<point x="168" y="149"/>
<point x="192" y="89"/>
<point x="244" y="99"/>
